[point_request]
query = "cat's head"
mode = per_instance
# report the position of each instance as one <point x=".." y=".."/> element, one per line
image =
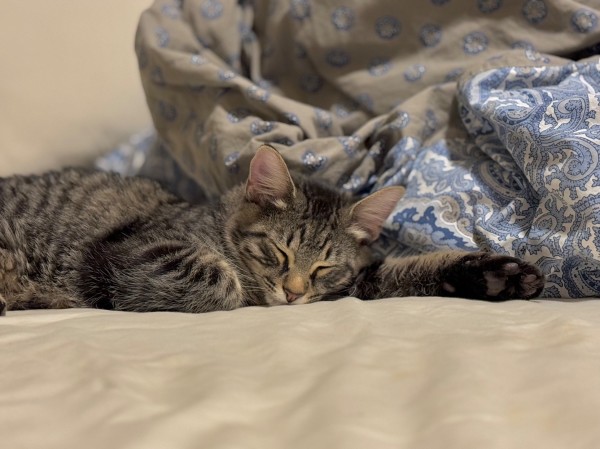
<point x="300" y="240"/>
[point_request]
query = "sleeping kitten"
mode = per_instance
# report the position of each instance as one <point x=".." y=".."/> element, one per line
<point x="78" y="238"/>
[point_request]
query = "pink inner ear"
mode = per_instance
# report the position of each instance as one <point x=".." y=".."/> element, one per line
<point x="370" y="213"/>
<point x="269" y="180"/>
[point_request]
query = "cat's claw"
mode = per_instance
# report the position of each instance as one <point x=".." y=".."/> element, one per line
<point x="492" y="277"/>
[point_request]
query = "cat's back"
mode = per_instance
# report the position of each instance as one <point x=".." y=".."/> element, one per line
<point x="71" y="178"/>
<point x="71" y="205"/>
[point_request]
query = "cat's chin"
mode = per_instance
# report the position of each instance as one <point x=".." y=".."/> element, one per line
<point x="280" y="300"/>
<point x="276" y="299"/>
<point x="276" y="302"/>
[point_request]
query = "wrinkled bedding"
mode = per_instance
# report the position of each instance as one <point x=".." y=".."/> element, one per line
<point x="411" y="373"/>
<point x="476" y="106"/>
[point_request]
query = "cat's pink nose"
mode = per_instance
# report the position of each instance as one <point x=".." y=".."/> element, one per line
<point x="291" y="296"/>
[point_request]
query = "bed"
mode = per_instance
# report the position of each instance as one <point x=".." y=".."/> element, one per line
<point x="411" y="372"/>
<point x="415" y="373"/>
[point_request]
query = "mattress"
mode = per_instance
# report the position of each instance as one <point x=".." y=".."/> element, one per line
<point x="394" y="373"/>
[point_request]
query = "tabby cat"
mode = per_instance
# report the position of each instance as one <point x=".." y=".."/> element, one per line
<point x="79" y="238"/>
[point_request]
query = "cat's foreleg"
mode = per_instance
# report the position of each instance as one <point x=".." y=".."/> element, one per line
<point x="161" y="276"/>
<point x="477" y="275"/>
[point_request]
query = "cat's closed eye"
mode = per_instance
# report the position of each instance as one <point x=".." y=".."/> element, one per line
<point x="284" y="259"/>
<point x="332" y="277"/>
<point x="263" y="254"/>
<point x="321" y="271"/>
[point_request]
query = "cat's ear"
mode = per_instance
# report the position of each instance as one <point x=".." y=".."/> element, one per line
<point x="269" y="181"/>
<point x="368" y="215"/>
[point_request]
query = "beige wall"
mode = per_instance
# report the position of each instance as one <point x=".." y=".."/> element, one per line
<point x="69" y="86"/>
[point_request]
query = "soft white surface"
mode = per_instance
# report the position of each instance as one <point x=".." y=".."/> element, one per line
<point x="69" y="83"/>
<point x="412" y="373"/>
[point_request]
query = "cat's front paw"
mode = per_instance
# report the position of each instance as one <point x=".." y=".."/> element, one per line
<point x="492" y="277"/>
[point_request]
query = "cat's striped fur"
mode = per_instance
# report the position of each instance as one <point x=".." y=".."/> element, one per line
<point x="78" y="238"/>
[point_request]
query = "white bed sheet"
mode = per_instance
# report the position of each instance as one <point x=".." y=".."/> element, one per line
<point x="410" y="373"/>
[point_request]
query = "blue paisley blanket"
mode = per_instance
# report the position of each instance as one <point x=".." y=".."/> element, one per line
<point x="464" y="102"/>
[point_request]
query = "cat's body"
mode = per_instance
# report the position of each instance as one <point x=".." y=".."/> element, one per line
<point x="78" y="238"/>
